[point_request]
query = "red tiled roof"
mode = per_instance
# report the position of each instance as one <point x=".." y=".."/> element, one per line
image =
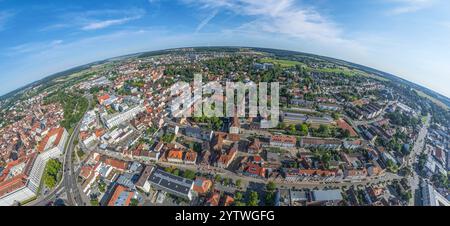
<point x="53" y="132"/>
<point x="119" y="164"/>
<point x="119" y="189"/>
<point x="190" y="156"/>
<point x="99" y="132"/>
<point x="175" y="154"/>
<point x="101" y="99"/>
<point x="255" y="169"/>
<point x="12" y="184"/>
<point x="202" y="185"/>
<point x="214" y="200"/>
<point x="228" y="200"/>
<point x="284" y="139"/>
<point x="345" y="126"/>
<point x="86" y="171"/>
<point x="312" y="172"/>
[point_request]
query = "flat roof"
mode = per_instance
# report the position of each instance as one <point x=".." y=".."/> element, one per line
<point x="171" y="182"/>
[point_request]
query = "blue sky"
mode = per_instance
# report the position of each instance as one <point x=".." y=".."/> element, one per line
<point x="409" y="38"/>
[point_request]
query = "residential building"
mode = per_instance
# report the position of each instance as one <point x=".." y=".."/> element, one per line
<point x="202" y="185"/>
<point x="143" y="182"/>
<point x="172" y="184"/>
<point x="283" y="141"/>
<point x="121" y="197"/>
<point x="313" y="142"/>
<point x="190" y="157"/>
<point x="120" y="117"/>
<point x="175" y="156"/>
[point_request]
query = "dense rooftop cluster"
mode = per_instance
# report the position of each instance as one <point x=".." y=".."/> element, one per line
<point x="345" y="136"/>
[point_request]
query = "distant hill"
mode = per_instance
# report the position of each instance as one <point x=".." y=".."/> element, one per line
<point x="276" y="52"/>
<point x="389" y="76"/>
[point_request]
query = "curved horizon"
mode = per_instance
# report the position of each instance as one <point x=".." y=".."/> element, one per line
<point x="408" y="38"/>
<point x="233" y="47"/>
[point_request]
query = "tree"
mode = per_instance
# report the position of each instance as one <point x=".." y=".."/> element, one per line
<point x="102" y="186"/>
<point x="304" y="129"/>
<point x="292" y="128"/>
<point x="271" y="186"/>
<point x="134" y="202"/>
<point x="51" y="173"/>
<point x="238" y="196"/>
<point x="169" y="169"/>
<point x="94" y="202"/>
<point x="269" y="199"/>
<point x="346" y="133"/>
<point x="238" y="182"/>
<point x="168" y="138"/>
<point x="335" y="115"/>
<point x="217" y="178"/>
<point x="253" y="199"/>
<point x="189" y="174"/>
<point x="324" y="130"/>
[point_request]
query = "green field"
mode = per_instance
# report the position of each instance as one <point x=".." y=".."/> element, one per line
<point x="348" y="72"/>
<point x="282" y="63"/>
<point x="338" y="70"/>
<point x="432" y="99"/>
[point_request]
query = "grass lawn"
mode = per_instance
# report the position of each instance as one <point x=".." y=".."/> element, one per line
<point x="282" y="63"/>
<point x="432" y="99"/>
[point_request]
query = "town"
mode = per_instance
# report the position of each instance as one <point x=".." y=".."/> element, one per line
<point x="107" y="136"/>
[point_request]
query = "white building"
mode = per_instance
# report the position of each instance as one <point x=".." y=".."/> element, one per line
<point x="52" y="146"/>
<point x="118" y="118"/>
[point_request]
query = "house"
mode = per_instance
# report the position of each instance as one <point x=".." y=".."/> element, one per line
<point x="329" y="107"/>
<point x="190" y="157"/>
<point x="291" y="118"/>
<point x="227" y="200"/>
<point x="431" y="197"/>
<point x="217" y="142"/>
<point x="153" y="156"/>
<point x="345" y="126"/>
<point x="255" y="147"/>
<point x="54" y="141"/>
<point x="225" y="159"/>
<point x="175" y="156"/>
<point x="312" y="142"/>
<point x="202" y="185"/>
<point x="326" y="197"/>
<point x="283" y="141"/>
<point x="198" y="133"/>
<point x="143" y="182"/>
<point x="116" y="164"/>
<point x="355" y="174"/>
<point x="254" y="170"/>
<point x="172" y="184"/>
<point x="121" y="197"/>
<point x="214" y="200"/>
<point x="294" y="174"/>
<point x="205" y="158"/>
<point x="103" y="98"/>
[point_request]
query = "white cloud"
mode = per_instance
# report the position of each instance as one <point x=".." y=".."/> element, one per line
<point x="96" y="19"/>
<point x="107" y="23"/>
<point x="206" y="21"/>
<point x="33" y="47"/>
<point x="278" y="16"/>
<point x="410" y="6"/>
<point x="5" y="16"/>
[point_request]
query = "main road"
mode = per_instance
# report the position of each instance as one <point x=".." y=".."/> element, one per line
<point x="413" y="178"/>
<point x="68" y="182"/>
<point x="387" y="177"/>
